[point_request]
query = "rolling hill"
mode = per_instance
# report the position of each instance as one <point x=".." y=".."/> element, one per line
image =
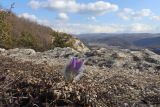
<point x="16" y="32"/>
<point x="125" y="40"/>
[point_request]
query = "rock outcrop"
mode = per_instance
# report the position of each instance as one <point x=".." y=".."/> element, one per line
<point x="142" y="61"/>
<point x="120" y="59"/>
<point x="65" y="40"/>
<point x="79" y="46"/>
<point x="112" y="77"/>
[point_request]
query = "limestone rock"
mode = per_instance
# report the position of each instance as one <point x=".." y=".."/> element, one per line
<point x="2" y="50"/>
<point x="79" y="46"/>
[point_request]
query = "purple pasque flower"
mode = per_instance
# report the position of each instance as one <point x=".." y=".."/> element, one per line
<point x="75" y="64"/>
<point x="73" y="69"/>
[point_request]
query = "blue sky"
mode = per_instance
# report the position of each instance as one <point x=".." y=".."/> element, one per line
<point x="91" y="16"/>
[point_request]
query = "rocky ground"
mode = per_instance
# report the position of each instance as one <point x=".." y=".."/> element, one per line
<point x="112" y="78"/>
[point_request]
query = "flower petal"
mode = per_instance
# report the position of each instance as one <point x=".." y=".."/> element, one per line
<point x="75" y="61"/>
<point x="79" y="64"/>
<point x="72" y="61"/>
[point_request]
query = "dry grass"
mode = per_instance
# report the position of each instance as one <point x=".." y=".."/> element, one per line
<point x="24" y="84"/>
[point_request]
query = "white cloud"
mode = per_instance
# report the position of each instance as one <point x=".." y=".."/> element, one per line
<point x="93" y="28"/>
<point x="128" y="14"/>
<point x="33" y="18"/>
<point x="28" y="16"/>
<point x="137" y="27"/>
<point x="72" y="6"/>
<point x="34" y="4"/>
<point x="112" y="28"/>
<point x="155" y="18"/>
<point x="85" y="28"/>
<point x="92" y="18"/>
<point x="62" y="17"/>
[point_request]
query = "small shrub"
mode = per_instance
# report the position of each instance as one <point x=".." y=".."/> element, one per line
<point x="62" y="40"/>
<point x="5" y="37"/>
<point x="27" y="40"/>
